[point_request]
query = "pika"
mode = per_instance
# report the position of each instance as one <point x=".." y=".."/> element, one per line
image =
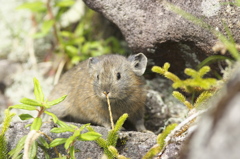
<point x="87" y="84"/>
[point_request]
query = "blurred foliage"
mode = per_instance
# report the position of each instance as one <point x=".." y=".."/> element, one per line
<point x="160" y="142"/>
<point x="200" y="88"/>
<point x="76" y="42"/>
<point x="4" y="127"/>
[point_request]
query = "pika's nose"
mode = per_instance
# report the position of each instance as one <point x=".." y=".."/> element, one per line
<point x="106" y="92"/>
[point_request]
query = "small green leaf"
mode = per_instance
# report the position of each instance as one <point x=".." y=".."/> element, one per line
<point x="61" y="123"/>
<point x="33" y="150"/>
<point x="65" y="3"/>
<point x="25" y="116"/>
<point x="62" y="129"/>
<point x="190" y="72"/>
<point x="23" y="106"/>
<point x="43" y="142"/>
<point x="28" y="101"/>
<point x="69" y="141"/>
<point x="14" y="152"/>
<point x="56" y="101"/>
<point x="37" y="123"/>
<point x="79" y="40"/>
<point x="46" y="155"/>
<point x="171" y="76"/>
<point x="27" y="125"/>
<point x="83" y="127"/>
<point x="38" y="91"/>
<point x="188" y="105"/>
<point x="212" y="59"/>
<point x="72" y="152"/>
<point x="113" y="150"/>
<point x="120" y="122"/>
<point x="112" y="137"/>
<point x="54" y="117"/>
<point x="6" y="122"/>
<point x="202" y="98"/>
<point x="37" y="6"/>
<point x="152" y="152"/>
<point x="158" y="69"/>
<point x="72" y="50"/>
<point x="73" y="126"/>
<point x="204" y="70"/>
<point x="76" y="59"/>
<point x="20" y="156"/>
<point x="166" y="66"/>
<point x="89" y="136"/>
<point x="102" y="142"/>
<point x="57" y="141"/>
<point x="161" y="137"/>
<point x="66" y="34"/>
<point x="179" y="96"/>
<point x="47" y="25"/>
<point x="39" y="35"/>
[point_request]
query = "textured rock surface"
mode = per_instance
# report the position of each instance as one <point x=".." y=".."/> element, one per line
<point x="132" y="144"/>
<point x="149" y="27"/>
<point x="161" y="107"/>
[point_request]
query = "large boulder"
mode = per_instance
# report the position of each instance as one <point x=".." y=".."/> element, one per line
<point x="150" y="27"/>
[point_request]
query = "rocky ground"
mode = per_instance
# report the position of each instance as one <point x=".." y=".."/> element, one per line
<point x="163" y="36"/>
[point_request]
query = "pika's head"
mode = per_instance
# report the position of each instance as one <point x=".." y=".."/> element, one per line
<point x="116" y="76"/>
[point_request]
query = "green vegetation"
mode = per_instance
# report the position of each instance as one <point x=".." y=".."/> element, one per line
<point x="75" y="42"/>
<point x="78" y="43"/>
<point x="109" y="144"/>
<point x="28" y="145"/>
<point x="160" y="142"/>
<point x="4" y="127"/>
<point x="200" y="88"/>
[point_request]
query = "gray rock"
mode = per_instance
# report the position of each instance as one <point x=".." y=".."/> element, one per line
<point x="162" y="108"/>
<point x="149" y="27"/>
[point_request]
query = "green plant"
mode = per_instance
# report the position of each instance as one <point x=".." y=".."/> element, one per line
<point x="77" y="136"/>
<point x="75" y="43"/>
<point x="109" y="144"/>
<point x="33" y="140"/>
<point x="200" y="88"/>
<point x="160" y="142"/>
<point x="28" y="145"/>
<point x="4" y="127"/>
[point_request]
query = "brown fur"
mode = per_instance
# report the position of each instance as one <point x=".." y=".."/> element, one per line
<point x="86" y="83"/>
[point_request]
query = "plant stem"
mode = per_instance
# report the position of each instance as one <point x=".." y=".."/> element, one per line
<point x="110" y="111"/>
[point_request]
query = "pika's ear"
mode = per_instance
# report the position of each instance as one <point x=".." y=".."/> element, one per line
<point x="138" y="63"/>
<point x="92" y="61"/>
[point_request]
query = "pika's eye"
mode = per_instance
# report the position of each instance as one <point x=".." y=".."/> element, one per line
<point x="118" y="76"/>
<point x="97" y="77"/>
